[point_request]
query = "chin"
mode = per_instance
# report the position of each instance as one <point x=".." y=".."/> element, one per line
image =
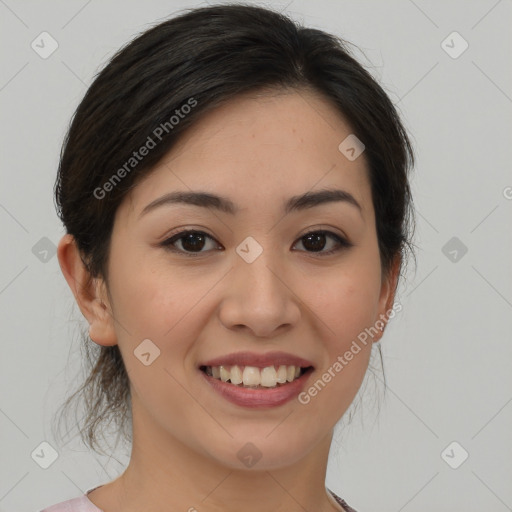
<point x="261" y="453"/>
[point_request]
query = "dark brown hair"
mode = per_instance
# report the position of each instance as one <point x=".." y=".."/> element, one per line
<point x="201" y="59"/>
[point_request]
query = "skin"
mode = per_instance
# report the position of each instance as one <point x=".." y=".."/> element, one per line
<point x="257" y="151"/>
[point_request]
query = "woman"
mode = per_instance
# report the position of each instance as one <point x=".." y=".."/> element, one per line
<point x="235" y="194"/>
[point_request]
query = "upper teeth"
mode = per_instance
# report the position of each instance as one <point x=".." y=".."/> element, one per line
<point x="252" y="376"/>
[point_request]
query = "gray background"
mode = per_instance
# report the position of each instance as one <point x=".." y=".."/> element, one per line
<point x="447" y="355"/>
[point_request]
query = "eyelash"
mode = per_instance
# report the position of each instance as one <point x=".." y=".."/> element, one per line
<point x="168" y="243"/>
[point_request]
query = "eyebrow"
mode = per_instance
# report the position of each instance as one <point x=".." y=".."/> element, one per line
<point x="223" y="204"/>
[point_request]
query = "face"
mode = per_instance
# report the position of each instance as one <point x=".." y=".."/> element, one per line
<point x="305" y="281"/>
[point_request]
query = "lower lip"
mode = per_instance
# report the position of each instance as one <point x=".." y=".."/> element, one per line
<point x="258" y="398"/>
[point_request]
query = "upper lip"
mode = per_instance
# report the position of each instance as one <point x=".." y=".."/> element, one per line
<point x="258" y="360"/>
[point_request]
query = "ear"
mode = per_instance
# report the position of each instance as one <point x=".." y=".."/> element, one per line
<point x="387" y="296"/>
<point x="90" y="292"/>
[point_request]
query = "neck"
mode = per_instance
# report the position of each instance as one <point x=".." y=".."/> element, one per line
<point x="165" y="474"/>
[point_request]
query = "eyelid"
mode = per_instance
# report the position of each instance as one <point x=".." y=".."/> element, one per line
<point x="324" y="229"/>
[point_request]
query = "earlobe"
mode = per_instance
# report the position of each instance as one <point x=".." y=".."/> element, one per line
<point x="89" y="292"/>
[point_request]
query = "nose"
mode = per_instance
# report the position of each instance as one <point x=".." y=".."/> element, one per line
<point x="258" y="298"/>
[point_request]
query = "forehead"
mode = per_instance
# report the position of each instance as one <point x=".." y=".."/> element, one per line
<point x="258" y="150"/>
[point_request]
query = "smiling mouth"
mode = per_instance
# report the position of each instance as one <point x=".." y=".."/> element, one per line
<point x="254" y="377"/>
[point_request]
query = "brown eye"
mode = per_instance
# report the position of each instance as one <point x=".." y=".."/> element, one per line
<point x="316" y="241"/>
<point x="191" y="242"/>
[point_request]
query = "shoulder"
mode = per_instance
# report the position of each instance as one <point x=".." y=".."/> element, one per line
<point x="342" y="502"/>
<point x="80" y="504"/>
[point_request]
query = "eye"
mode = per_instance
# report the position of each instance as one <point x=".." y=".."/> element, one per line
<point x="317" y="240"/>
<point x="192" y="242"/>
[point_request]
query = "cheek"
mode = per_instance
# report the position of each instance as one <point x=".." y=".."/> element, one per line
<point x="153" y="299"/>
<point x="344" y="307"/>
<point x="162" y="306"/>
<point x="346" y="301"/>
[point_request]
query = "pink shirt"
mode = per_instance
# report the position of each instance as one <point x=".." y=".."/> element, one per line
<point x="80" y="504"/>
<point x="83" y="504"/>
